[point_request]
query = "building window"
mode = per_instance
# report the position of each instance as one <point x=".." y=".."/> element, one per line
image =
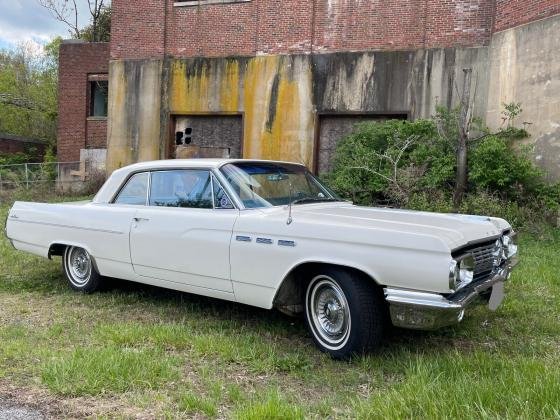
<point x="203" y="2"/>
<point x="99" y="98"/>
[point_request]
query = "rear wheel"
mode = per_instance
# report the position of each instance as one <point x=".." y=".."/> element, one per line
<point x="345" y="312"/>
<point x="79" y="270"/>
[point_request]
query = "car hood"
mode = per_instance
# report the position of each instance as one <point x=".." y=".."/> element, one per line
<point x="455" y="230"/>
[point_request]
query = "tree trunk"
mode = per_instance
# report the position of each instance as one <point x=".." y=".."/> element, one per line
<point x="462" y="164"/>
<point x="461" y="181"/>
<point x="94" y="16"/>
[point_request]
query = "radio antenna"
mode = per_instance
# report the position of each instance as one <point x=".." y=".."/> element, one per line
<point x="289" y="221"/>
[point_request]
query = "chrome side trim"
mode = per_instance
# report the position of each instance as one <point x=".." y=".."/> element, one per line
<point x="242" y="238"/>
<point x="282" y="242"/>
<point x="116" y="232"/>
<point x="267" y="241"/>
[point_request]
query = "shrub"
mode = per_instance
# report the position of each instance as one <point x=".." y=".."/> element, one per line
<point x="13" y="158"/>
<point x="382" y="160"/>
<point x="412" y="164"/>
<point x="49" y="168"/>
<point x="496" y="166"/>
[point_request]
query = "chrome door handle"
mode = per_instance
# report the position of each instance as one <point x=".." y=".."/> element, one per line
<point x="140" y="219"/>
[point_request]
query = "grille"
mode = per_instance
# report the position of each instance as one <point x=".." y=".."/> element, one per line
<point x="484" y="260"/>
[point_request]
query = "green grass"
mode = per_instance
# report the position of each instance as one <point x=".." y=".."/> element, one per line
<point x="139" y="350"/>
<point x="96" y="371"/>
<point x="193" y="403"/>
<point x="271" y="407"/>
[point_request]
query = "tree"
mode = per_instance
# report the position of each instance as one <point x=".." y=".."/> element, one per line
<point x="66" y="11"/>
<point x="28" y="82"/>
<point x="101" y="31"/>
<point x="464" y="128"/>
<point x="455" y="126"/>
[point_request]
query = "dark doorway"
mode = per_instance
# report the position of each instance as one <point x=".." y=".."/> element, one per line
<point x="334" y="127"/>
<point x="207" y="136"/>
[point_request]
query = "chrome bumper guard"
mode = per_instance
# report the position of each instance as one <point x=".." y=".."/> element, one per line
<point x="430" y="311"/>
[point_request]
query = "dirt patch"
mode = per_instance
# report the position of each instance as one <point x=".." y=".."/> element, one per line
<point x="10" y="411"/>
<point x="40" y="404"/>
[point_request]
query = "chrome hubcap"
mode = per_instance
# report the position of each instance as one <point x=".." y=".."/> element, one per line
<point x="329" y="312"/>
<point x="79" y="266"/>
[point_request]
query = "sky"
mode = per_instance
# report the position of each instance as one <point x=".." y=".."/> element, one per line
<point x="27" y="21"/>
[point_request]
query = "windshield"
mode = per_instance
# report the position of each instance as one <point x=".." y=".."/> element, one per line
<point x="267" y="184"/>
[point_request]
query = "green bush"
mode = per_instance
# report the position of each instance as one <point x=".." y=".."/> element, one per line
<point x="412" y="164"/>
<point x="366" y="160"/>
<point x="13" y="158"/>
<point x="496" y="166"/>
<point x="49" y="169"/>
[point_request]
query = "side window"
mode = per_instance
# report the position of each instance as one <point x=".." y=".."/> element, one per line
<point x="181" y="188"/>
<point x="135" y="191"/>
<point x="221" y="199"/>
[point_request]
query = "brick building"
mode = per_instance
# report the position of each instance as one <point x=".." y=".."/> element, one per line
<point x="82" y="90"/>
<point x="285" y="80"/>
<point x="35" y="149"/>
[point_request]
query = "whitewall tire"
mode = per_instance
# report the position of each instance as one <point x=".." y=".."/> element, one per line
<point x="344" y="312"/>
<point x="80" y="270"/>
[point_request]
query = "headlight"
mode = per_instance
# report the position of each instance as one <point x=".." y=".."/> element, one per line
<point x="510" y="245"/>
<point x="498" y="252"/>
<point x="466" y="270"/>
<point x="461" y="272"/>
<point x="453" y="274"/>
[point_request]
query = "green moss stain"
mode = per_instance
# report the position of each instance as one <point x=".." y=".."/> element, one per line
<point x="273" y="93"/>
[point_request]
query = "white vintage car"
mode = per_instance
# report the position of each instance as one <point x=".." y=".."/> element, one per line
<point x="272" y="235"/>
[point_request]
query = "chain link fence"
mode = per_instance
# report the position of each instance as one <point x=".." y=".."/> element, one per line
<point x="56" y="177"/>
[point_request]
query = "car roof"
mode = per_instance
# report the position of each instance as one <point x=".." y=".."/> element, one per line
<point x="193" y="163"/>
<point x="116" y="179"/>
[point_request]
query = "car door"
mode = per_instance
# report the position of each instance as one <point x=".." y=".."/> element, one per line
<point x="184" y="234"/>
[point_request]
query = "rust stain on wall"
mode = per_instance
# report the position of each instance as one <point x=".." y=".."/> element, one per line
<point x="135" y="101"/>
<point x="117" y="141"/>
<point x="229" y="87"/>
<point x="199" y="86"/>
<point x="277" y="96"/>
<point x="278" y="104"/>
<point x="275" y="101"/>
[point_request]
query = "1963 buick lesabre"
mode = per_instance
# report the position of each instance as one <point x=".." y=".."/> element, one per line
<point x="270" y="234"/>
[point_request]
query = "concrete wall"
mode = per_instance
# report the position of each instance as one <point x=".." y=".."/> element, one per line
<point x="280" y="97"/>
<point x="135" y="96"/>
<point x="232" y="58"/>
<point x="525" y="68"/>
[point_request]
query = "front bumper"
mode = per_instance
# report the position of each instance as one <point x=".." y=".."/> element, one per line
<point x="430" y="311"/>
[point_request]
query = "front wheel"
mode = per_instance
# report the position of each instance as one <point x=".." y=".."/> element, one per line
<point x="79" y="270"/>
<point x="344" y="312"/>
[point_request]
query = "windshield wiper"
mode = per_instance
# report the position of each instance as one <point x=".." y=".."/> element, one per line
<point x="313" y="200"/>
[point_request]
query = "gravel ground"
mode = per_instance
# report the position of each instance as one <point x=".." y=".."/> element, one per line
<point x="9" y="411"/>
